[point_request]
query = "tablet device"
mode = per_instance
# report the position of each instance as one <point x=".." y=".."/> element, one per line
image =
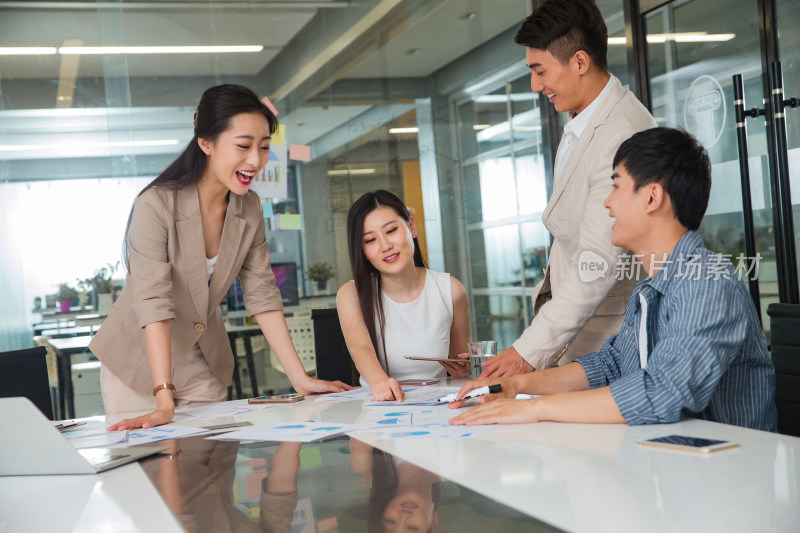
<point x="419" y="381"/>
<point x="278" y="398"/>
<point x="449" y="359"/>
<point x="691" y="444"/>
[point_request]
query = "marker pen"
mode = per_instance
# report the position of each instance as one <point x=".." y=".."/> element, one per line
<point x="480" y="391"/>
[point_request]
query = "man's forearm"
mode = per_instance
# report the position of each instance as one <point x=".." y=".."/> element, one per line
<point x="565" y="378"/>
<point x="596" y="406"/>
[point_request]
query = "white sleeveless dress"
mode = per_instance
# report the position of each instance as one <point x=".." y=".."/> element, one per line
<point x="420" y="327"/>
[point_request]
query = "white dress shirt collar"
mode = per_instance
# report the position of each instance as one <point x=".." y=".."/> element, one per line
<point x="578" y="123"/>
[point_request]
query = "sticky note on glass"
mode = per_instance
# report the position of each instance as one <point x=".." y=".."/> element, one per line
<point x="267" y="102"/>
<point x="299" y="152"/>
<point x="289" y="221"/>
<point x="267" y="208"/>
<point x="279" y="137"/>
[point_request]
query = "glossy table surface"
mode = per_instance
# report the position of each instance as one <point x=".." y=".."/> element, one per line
<point x="533" y="477"/>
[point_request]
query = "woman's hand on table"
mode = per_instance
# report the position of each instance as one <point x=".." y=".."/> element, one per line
<point x="316" y="386"/>
<point x="158" y="417"/>
<point x="387" y="390"/>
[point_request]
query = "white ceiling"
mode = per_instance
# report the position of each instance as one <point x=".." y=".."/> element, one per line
<point x="441" y="37"/>
<point x="442" y="31"/>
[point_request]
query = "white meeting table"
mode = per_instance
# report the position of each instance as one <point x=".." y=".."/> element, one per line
<point x="571" y="477"/>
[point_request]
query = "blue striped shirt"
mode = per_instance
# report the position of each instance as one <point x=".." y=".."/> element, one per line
<point x="706" y="354"/>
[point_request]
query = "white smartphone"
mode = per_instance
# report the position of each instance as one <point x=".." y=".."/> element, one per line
<point x="691" y="444"/>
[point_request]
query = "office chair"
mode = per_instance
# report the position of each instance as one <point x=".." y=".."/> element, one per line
<point x="784" y="322"/>
<point x="333" y="359"/>
<point x="24" y="373"/>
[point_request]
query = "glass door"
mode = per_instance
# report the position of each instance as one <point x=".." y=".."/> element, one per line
<point x="694" y="48"/>
<point x="788" y="27"/>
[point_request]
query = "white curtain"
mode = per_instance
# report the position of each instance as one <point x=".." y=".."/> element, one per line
<point x="53" y="232"/>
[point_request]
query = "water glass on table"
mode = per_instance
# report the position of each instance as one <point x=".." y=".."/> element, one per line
<point x="479" y="352"/>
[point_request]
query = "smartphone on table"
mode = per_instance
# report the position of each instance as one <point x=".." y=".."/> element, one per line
<point x="691" y="444"/>
<point x="278" y="398"/>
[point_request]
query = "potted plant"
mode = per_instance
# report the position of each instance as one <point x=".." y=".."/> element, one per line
<point x="100" y="283"/>
<point x="37" y="303"/>
<point x="320" y="273"/>
<point x="65" y="296"/>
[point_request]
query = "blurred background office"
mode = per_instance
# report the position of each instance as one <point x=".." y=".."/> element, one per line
<point x="429" y="99"/>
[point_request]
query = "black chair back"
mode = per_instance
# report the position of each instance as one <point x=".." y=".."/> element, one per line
<point x="24" y="373"/>
<point x="333" y="358"/>
<point x="784" y="322"/>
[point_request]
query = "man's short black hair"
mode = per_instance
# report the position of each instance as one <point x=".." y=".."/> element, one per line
<point x="562" y="27"/>
<point x="678" y="162"/>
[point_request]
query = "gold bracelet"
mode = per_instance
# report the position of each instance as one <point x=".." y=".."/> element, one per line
<point x="163" y="386"/>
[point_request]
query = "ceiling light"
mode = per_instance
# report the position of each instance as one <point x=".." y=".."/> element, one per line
<point x="689" y="37"/>
<point x="27" y="51"/>
<point x="468" y="16"/>
<point x="84" y="145"/>
<point x="479" y="127"/>
<point x="109" y="50"/>
<point x="404" y="130"/>
<point x="352" y="171"/>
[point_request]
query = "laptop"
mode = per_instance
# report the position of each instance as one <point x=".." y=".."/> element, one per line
<point x="30" y="445"/>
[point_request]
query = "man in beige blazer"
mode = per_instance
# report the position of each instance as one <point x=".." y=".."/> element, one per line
<point x="580" y="303"/>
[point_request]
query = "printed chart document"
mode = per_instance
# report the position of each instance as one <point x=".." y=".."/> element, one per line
<point x="407" y="417"/>
<point x="436" y="431"/>
<point x="222" y="409"/>
<point x="93" y="434"/>
<point x="427" y="395"/>
<point x="359" y="393"/>
<point x="168" y="431"/>
<point x="287" y="432"/>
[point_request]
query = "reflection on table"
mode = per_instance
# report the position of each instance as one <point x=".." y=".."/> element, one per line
<point x="341" y="484"/>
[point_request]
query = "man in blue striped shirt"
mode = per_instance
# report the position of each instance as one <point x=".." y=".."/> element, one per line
<point x="691" y="343"/>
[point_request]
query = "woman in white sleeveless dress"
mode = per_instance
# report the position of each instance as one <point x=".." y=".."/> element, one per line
<point x="394" y="306"/>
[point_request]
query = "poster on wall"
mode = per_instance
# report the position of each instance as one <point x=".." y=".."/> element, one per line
<point x="271" y="182"/>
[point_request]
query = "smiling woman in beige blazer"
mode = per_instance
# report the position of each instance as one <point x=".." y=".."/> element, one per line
<point x="191" y="232"/>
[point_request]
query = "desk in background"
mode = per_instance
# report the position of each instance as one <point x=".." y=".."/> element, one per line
<point x="75" y="331"/>
<point x="65" y="348"/>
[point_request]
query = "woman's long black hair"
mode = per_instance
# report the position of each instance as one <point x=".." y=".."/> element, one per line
<point x="217" y="107"/>
<point x="384" y="488"/>
<point x="365" y="276"/>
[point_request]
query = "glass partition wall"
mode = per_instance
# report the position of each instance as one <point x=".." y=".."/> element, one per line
<point x="429" y="99"/>
<point x="96" y="99"/>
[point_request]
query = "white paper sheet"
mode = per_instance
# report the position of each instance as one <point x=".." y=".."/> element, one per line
<point x="436" y="431"/>
<point x="407" y="417"/>
<point x="426" y="395"/>
<point x="287" y="432"/>
<point x="223" y="409"/>
<point x="168" y="431"/>
<point x="92" y="434"/>
<point x="360" y="393"/>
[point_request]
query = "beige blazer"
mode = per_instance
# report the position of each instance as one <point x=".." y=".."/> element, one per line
<point x="167" y="279"/>
<point x="577" y="316"/>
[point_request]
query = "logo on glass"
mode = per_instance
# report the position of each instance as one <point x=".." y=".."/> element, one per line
<point x="591" y="266"/>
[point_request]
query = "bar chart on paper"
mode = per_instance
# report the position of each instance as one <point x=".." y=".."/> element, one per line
<point x="271" y="182"/>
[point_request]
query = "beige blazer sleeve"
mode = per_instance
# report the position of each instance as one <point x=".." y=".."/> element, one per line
<point x="167" y="279"/>
<point x="581" y="228"/>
